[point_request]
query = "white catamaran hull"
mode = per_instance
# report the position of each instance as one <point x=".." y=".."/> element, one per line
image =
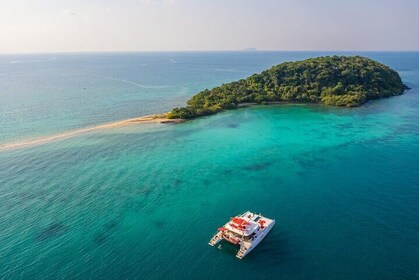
<point x="246" y="250"/>
<point x="246" y="230"/>
<point x="216" y="239"/>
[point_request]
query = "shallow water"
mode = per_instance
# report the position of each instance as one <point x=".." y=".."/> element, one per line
<point x="145" y="199"/>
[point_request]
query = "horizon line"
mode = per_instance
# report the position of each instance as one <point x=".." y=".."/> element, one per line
<point x="196" y="51"/>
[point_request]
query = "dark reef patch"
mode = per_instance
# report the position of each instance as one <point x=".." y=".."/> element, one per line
<point x="177" y="182"/>
<point x="227" y="172"/>
<point x="345" y="126"/>
<point x="112" y="224"/>
<point x="310" y="160"/>
<point x="108" y="227"/>
<point x="146" y="190"/>
<point x="232" y="125"/>
<point x="101" y="238"/>
<point x="33" y="195"/>
<point x="158" y="224"/>
<point x="53" y="230"/>
<point x="257" y="167"/>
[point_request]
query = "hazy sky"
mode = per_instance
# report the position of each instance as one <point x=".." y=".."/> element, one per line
<point x="155" y="25"/>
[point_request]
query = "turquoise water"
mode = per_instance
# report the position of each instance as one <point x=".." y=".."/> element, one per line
<point x="51" y="93"/>
<point x="144" y="200"/>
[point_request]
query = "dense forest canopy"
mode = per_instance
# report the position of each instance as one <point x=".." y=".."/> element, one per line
<point x="333" y="80"/>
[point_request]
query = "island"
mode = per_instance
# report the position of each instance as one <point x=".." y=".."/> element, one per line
<point x="332" y="80"/>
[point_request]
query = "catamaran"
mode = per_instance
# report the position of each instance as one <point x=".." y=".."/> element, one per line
<point x="245" y="230"/>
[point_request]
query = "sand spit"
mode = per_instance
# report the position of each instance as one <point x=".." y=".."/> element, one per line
<point x="158" y="118"/>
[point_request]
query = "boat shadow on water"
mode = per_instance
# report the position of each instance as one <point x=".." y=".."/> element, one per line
<point x="274" y="249"/>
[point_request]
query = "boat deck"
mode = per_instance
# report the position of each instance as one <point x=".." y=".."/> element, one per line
<point x="248" y="236"/>
<point x="262" y="221"/>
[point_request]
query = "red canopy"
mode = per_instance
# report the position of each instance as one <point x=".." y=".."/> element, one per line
<point x="239" y="221"/>
<point x="222" y="229"/>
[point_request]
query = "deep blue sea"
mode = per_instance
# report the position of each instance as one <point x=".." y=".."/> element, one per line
<point x="142" y="201"/>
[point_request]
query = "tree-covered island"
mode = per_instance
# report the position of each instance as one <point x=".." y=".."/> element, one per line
<point x="332" y="80"/>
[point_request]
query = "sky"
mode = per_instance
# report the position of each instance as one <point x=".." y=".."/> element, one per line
<point x="32" y="26"/>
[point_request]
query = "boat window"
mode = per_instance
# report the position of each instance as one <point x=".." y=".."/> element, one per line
<point x="257" y="218"/>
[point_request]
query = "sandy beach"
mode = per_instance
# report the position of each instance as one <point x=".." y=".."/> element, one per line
<point x="157" y="118"/>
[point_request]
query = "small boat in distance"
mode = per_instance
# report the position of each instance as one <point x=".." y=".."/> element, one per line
<point x="246" y="230"/>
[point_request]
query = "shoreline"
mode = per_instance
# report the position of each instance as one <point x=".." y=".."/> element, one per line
<point x="156" y="118"/>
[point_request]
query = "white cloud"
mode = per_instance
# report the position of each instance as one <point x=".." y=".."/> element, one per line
<point x="159" y="1"/>
<point x="70" y="13"/>
<point x="105" y="9"/>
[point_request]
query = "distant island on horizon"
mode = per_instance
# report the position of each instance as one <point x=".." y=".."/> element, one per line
<point x="250" y="50"/>
<point x="348" y="81"/>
